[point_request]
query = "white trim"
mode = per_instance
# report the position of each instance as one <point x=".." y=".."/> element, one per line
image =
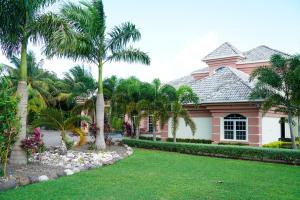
<point x="222" y="135"/>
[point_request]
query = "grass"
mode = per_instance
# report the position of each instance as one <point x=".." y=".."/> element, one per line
<point x="163" y="175"/>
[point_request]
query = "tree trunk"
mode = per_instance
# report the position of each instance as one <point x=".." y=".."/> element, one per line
<point x="18" y="155"/>
<point x="137" y="132"/>
<point x="174" y="138"/>
<point x="100" y="140"/>
<point x="291" y="130"/>
<point x="299" y="130"/>
<point x="154" y="135"/>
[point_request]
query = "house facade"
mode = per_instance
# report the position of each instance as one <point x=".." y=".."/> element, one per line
<point x="226" y="112"/>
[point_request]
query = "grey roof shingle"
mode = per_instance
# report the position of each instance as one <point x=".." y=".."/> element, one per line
<point x="223" y="51"/>
<point x="226" y="85"/>
<point x="260" y="53"/>
<point x="186" y="80"/>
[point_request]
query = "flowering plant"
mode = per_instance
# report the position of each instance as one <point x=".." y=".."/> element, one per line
<point x="34" y="143"/>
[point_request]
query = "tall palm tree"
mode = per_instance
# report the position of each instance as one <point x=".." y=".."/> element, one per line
<point x="89" y="41"/>
<point x="278" y="85"/>
<point x="21" y="21"/>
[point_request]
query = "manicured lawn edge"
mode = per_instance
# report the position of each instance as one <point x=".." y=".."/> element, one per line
<point x="287" y="156"/>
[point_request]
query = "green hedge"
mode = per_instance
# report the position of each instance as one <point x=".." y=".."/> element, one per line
<point x="227" y="151"/>
<point x="149" y="138"/>
<point x="202" y="141"/>
<point x="280" y="144"/>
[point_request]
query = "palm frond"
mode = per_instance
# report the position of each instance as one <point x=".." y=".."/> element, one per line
<point x="130" y="55"/>
<point x="121" y="35"/>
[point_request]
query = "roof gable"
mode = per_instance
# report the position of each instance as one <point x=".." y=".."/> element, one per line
<point x="226" y="85"/>
<point x="223" y="51"/>
<point x="260" y="53"/>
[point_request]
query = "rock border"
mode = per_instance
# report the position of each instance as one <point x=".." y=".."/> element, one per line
<point x="12" y="182"/>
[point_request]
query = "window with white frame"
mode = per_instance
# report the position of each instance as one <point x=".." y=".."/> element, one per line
<point x="151" y="127"/>
<point x="235" y="127"/>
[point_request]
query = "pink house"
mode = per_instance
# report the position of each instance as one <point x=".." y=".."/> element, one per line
<point x="226" y="113"/>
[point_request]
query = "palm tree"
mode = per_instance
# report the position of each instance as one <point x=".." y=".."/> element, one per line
<point x="169" y="104"/>
<point x="177" y="112"/>
<point x="41" y="84"/>
<point x="276" y="84"/>
<point x="89" y="41"/>
<point x="77" y="83"/>
<point x="21" y="21"/>
<point x="63" y="121"/>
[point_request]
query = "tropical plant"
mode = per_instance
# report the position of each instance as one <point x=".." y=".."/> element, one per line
<point x="78" y="82"/>
<point x="177" y="112"/>
<point x="109" y="87"/>
<point x="169" y="104"/>
<point x="276" y="85"/>
<point x="21" y="21"/>
<point x="9" y="122"/>
<point x="34" y="143"/>
<point x="89" y="41"/>
<point x="63" y="121"/>
<point x="42" y="84"/>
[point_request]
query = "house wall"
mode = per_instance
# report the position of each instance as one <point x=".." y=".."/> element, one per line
<point x="203" y="129"/>
<point x="270" y="129"/>
<point x="250" y="67"/>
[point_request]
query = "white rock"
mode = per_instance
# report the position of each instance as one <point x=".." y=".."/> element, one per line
<point x="43" y="178"/>
<point x="76" y="170"/>
<point x="68" y="172"/>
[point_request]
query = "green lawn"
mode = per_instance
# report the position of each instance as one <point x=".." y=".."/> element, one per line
<point x="164" y="175"/>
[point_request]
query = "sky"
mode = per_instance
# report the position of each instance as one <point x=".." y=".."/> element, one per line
<point x="178" y="34"/>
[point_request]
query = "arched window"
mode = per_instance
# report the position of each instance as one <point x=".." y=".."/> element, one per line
<point x="235" y="127"/>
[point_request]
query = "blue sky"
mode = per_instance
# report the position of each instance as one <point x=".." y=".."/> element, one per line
<point x="178" y="34"/>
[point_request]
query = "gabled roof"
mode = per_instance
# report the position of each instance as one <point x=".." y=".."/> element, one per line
<point x="261" y="53"/>
<point x="226" y="85"/>
<point x="223" y="51"/>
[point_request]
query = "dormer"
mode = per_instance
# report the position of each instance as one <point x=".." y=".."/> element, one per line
<point x="224" y="55"/>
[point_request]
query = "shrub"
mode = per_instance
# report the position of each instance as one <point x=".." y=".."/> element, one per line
<point x="69" y="144"/>
<point x="227" y="151"/>
<point x="232" y="143"/>
<point x="149" y="138"/>
<point x="9" y="122"/>
<point x="280" y="144"/>
<point x="91" y="146"/>
<point x="34" y="143"/>
<point x="287" y="139"/>
<point x="117" y="123"/>
<point x="183" y="140"/>
<point x="202" y="141"/>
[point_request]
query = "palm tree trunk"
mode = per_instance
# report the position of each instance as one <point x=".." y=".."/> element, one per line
<point x="100" y="140"/>
<point x="137" y="132"/>
<point x="154" y="135"/>
<point x="299" y="130"/>
<point x="291" y="129"/>
<point x="18" y="155"/>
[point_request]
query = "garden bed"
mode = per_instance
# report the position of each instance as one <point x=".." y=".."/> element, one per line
<point x="56" y="162"/>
